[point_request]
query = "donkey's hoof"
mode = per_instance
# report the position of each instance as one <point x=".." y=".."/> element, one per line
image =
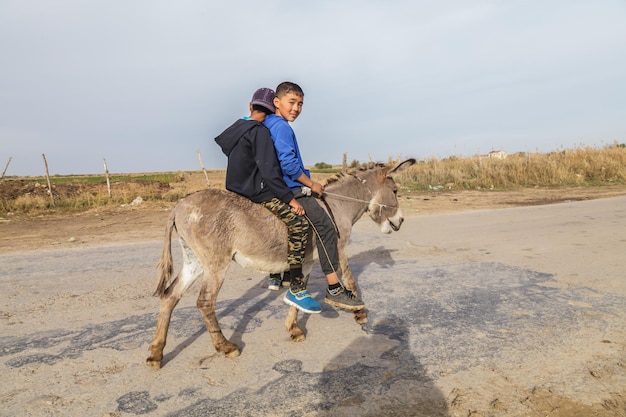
<point x="298" y="337"/>
<point x="360" y="316"/>
<point x="230" y="350"/>
<point x="153" y="363"/>
<point x="233" y="354"/>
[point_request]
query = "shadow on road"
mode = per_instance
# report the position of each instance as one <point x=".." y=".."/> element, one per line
<point x="377" y="375"/>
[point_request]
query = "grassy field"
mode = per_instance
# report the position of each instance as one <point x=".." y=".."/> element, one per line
<point x="581" y="166"/>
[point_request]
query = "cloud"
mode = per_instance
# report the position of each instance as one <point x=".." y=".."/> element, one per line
<point x="158" y="80"/>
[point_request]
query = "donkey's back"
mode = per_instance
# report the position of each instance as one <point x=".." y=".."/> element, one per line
<point x="228" y="223"/>
<point x="216" y="226"/>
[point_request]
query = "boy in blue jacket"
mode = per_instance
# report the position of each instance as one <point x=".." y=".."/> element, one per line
<point x="288" y="103"/>
<point x="253" y="171"/>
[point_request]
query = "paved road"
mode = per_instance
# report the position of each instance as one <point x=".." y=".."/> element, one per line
<point x="469" y="312"/>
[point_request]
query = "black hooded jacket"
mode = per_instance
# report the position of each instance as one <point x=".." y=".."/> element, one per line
<point x="253" y="168"/>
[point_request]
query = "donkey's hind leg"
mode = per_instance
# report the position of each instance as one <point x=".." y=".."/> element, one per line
<point x="207" y="301"/>
<point x="190" y="271"/>
<point x="168" y="301"/>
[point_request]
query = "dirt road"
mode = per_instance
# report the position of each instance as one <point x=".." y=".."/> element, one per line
<point x="514" y="312"/>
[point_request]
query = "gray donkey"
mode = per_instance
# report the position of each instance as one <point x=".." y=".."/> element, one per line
<point x="216" y="226"/>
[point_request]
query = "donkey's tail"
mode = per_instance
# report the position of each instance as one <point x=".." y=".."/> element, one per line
<point x="166" y="264"/>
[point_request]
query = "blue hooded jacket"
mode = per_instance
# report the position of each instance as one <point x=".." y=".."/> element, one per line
<point x="287" y="150"/>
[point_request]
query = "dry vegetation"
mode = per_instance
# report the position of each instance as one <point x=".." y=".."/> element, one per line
<point x="582" y="167"/>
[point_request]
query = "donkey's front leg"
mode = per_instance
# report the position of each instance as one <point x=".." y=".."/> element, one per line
<point x="295" y="332"/>
<point x="350" y="283"/>
<point x="206" y="303"/>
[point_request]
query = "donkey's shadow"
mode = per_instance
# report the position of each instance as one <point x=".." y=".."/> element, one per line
<point x="228" y="308"/>
<point x="379" y="256"/>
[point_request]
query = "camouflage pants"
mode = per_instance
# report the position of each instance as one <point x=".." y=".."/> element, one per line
<point x="297" y="229"/>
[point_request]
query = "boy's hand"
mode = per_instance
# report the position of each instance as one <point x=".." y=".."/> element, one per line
<point x="317" y="188"/>
<point x="296" y="207"/>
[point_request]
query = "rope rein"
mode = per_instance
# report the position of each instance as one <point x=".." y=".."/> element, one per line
<point x="332" y="217"/>
<point x="343" y="197"/>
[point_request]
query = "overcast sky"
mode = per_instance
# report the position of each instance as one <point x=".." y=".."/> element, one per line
<point x="147" y="83"/>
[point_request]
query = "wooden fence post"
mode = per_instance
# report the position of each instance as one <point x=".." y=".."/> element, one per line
<point x="208" y="183"/>
<point x="344" y="165"/>
<point x="106" y="173"/>
<point x="48" y="179"/>
<point x="5" y="167"/>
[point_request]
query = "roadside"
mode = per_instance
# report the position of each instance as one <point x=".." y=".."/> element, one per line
<point x="145" y="221"/>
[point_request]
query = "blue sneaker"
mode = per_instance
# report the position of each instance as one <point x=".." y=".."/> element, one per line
<point x="303" y="301"/>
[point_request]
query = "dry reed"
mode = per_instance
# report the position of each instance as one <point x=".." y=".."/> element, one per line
<point x="581" y="166"/>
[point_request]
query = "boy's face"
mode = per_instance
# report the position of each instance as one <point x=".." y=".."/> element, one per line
<point x="289" y="106"/>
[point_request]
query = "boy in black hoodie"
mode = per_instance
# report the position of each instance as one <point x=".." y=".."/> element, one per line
<point x="254" y="172"/>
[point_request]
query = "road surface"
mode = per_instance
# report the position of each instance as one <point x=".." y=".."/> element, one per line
<point x="507" y="312"/>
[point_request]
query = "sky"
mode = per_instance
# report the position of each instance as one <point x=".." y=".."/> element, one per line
<point x="146" y="84"/>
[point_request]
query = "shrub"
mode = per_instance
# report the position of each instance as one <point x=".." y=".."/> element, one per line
<point x="322" y="165"/>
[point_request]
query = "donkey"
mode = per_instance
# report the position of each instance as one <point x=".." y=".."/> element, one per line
<point x="216" y="226"/>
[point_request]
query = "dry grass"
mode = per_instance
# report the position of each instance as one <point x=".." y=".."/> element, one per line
<point x="31" y="196"/>
<point x="581" y="166"/>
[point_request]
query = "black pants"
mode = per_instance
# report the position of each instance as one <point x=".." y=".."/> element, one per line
<point x="324" y="231"/>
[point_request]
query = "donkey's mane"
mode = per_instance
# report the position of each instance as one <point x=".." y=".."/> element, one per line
<point x="354" y="172"/>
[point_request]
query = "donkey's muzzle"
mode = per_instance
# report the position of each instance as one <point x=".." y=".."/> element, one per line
<point x="394" y="226"/>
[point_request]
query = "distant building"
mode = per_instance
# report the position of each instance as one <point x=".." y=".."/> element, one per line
<point x="497" y="154"/>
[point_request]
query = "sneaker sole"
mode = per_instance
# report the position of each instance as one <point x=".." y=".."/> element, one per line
<point x="304" y="310"/>
<point x="343" y="306"/>
<point x="273" y="287"/>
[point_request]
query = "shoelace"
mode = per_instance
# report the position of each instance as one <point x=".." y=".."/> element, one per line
<point x="350" y="294"/>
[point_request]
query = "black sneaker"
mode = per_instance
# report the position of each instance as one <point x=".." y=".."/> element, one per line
<point x="344" y="299"/>
<point x="274" y="282"/>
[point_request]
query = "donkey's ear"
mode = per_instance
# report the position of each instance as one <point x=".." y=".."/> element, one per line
<point x="402" y="165"/>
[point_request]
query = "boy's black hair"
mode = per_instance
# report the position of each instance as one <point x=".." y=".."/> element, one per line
<point x="265" y="110"/>
<point x="288" y="87"/>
